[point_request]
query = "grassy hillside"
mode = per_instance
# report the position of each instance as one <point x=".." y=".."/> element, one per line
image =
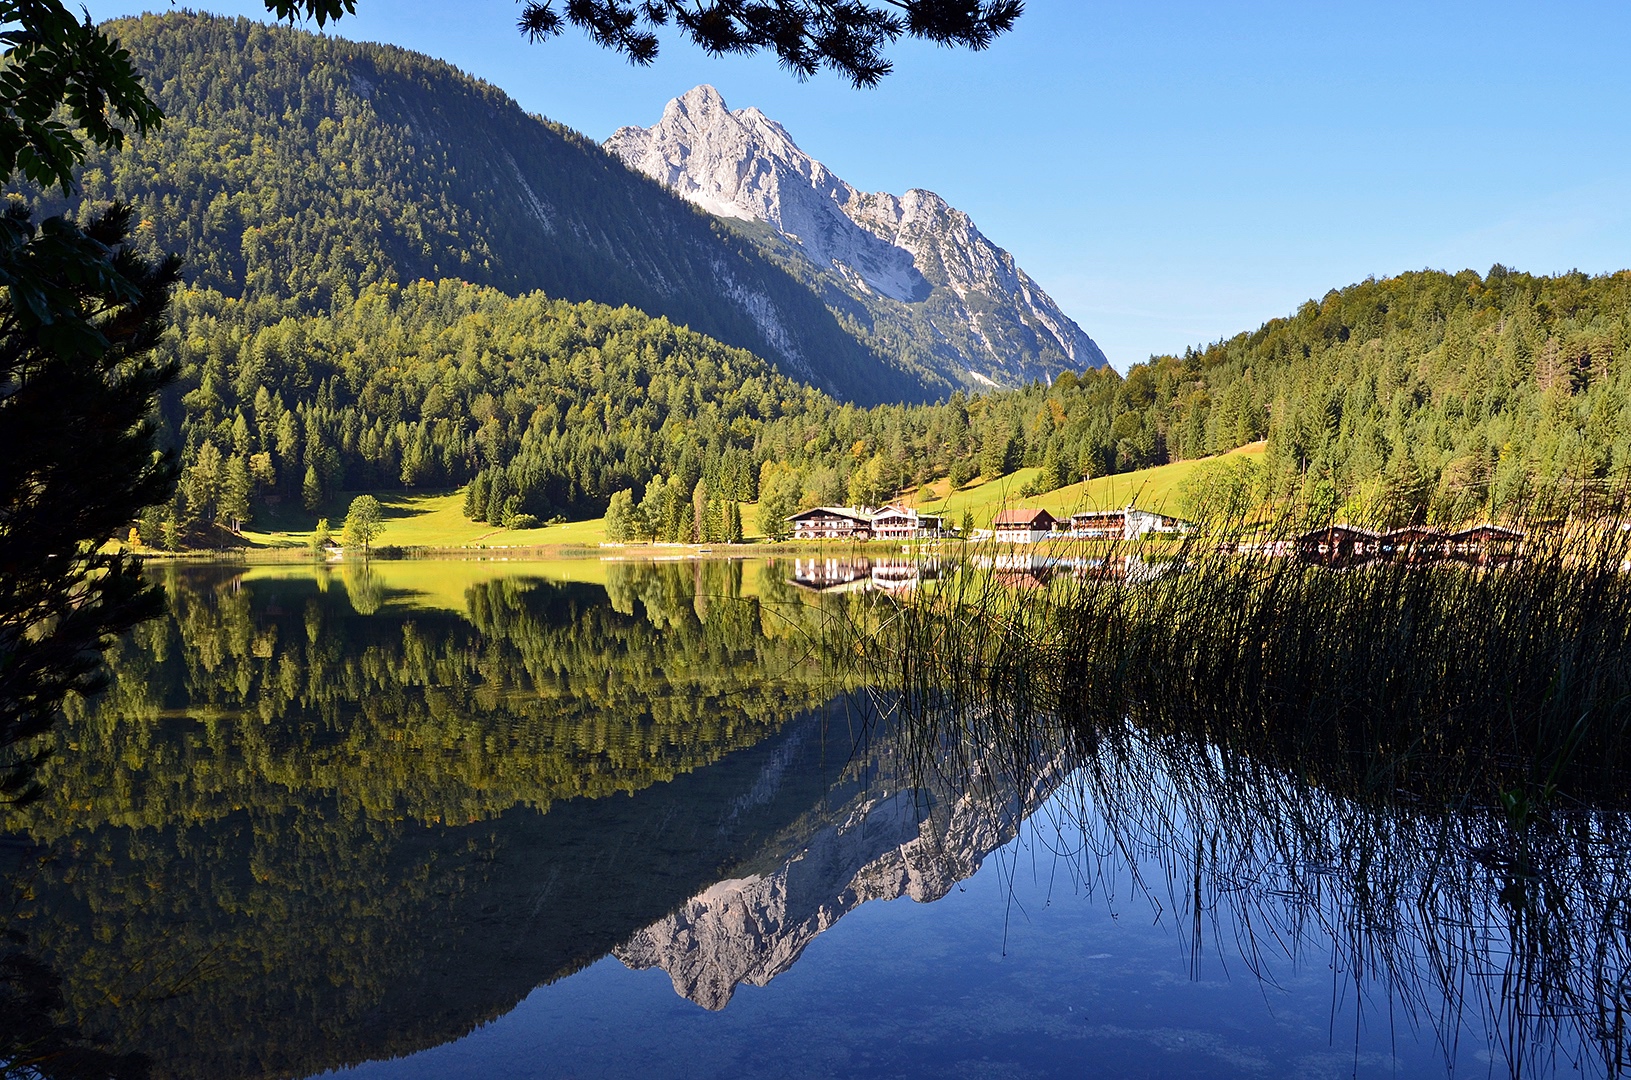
<point x="416" y="520"/>
<point x="1150" y="489"/>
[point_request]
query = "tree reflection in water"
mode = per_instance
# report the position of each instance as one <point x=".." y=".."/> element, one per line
<point x="296" y="835"/>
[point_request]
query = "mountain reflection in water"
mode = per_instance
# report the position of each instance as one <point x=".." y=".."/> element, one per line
<point x="327" y="818"/>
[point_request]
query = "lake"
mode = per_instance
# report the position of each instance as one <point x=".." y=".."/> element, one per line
<point x="599" y="819"/>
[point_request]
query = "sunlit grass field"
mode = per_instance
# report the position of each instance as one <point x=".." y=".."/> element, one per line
<point x="1150" y="489"/>
<point x="433" y="519"/>
<point x="436" y="519"/>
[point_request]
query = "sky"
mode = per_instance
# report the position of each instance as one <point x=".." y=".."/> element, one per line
<point x="1171" y="173"/>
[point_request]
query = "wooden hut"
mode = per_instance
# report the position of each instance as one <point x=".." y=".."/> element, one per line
<point x="1486" y="543"/>
<point x="1415" y="543"/>
<point x="1339" y="545"/>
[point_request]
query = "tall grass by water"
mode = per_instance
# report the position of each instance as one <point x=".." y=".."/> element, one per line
<point x="1415" y="772"/>
<point x="1503" y="681"/>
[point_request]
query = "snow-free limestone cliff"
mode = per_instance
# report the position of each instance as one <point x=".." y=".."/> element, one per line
<point x="916" y="273"/>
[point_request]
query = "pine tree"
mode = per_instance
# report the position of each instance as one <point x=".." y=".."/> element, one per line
<point x="498" y="492"/>
<point x="201" y="484"/>
<point x="475" y="497"/>
<point x="233" y="504"/>
<point x="676" y="511"/>
<point x="240" y="434"/>
<point x="311" y="489"/>
<point x="700" y="516"/>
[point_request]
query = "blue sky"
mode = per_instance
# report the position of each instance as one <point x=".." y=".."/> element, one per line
<point x="1172" y="173"/>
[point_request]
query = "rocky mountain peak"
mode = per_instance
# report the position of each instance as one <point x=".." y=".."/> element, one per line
<point x="989" y="323"/>
<point x="744" y="165"/>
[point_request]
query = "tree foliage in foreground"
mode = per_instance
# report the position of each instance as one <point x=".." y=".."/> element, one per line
<point x="80" y="315"/>
<point x="77" y="461"/>
<point x="806" y="35"/>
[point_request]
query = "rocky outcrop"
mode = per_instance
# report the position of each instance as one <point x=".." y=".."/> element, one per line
<point x="913" y="263"/>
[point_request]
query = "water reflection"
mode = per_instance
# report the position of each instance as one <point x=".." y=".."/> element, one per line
<point x="331" y="816"/>
<point x="294" y="835"/>
<point x="852" y="574"/>
<point x="887" y="842"/>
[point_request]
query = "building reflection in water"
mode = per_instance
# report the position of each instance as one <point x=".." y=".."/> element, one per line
<point x="856" y="574"/>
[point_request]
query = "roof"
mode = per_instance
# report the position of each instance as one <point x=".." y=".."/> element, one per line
<point x="1329" y="530"/>
<point x="832" y="511"/>
<point x="1490" y="530"/>
<point x="1022" y="517"/>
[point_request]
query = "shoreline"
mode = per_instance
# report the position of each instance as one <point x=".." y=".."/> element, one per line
<point x="633" y="552"/>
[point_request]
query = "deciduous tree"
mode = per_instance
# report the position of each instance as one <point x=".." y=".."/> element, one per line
<point x="363" y="523"/>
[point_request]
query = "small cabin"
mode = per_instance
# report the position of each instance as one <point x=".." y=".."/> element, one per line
<point x="1339" y="545"/>
<point x="1415" y="543"/>
<point x="1022" y="526"/>
<point x="1486" y="543"/>
<point x="831" y="523"/>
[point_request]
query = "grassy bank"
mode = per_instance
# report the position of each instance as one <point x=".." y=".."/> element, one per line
<point x="413" y="519"/>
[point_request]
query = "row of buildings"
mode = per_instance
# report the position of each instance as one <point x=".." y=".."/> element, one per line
<point x="1010" y="526"/>
<point x="1029" y="526"/>
<point x="1345" y="545"/>
<point x="1332" y="544"/>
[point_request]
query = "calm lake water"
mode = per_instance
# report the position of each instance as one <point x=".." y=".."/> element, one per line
<point x="585" y="819"/>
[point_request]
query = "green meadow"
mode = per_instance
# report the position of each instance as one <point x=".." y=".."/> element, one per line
<point x="436" y="519"/>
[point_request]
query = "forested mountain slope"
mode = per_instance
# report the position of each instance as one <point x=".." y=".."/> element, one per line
<point x="1425" y="395"/>
<point x="301" y="168"/>
<point x="424" y="386"/>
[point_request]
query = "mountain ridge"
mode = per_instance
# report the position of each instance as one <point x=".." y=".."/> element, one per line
<point x="911" y="259"/>
<point x="296" y="169"/>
